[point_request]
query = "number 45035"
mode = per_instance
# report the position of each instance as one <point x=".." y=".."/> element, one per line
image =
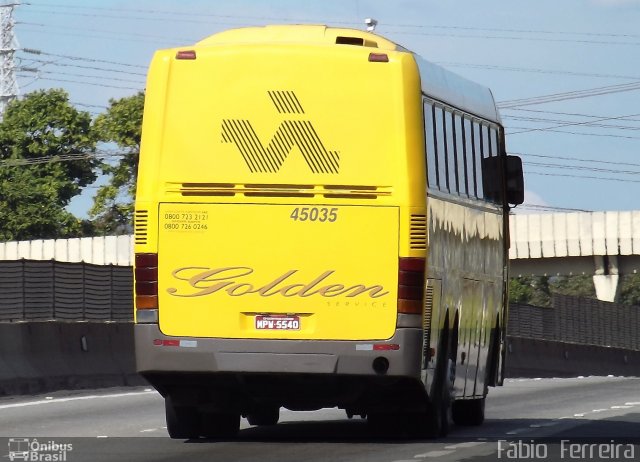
<point x="320" y="214"/>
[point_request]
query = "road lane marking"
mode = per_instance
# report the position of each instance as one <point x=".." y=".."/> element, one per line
<point x="632" y="404"/>
<point x="468" y="444"/>
<point x="578" y="415"/>
<point x="74" y="398"/>
<point x="621" y="407"/>
<point x="542" y="425"/>
<point x="148" y="430"/>
<point x="433" y="454"/>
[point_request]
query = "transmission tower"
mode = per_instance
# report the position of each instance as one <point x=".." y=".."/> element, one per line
<point x="8" y="46"/>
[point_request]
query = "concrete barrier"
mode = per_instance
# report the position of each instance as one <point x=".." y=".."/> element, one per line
<point x="37" y="357"/>
<point x="41" y="356"/>
<point x="528" y="357"/>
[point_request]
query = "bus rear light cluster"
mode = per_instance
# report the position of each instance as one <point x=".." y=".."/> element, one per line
<point x="410" y="285"/>
<point x="146" y="277"/>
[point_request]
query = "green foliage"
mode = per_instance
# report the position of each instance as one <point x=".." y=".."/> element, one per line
<point x="35" y="185"/>
<point x="531" y="290"/>
<point x="629" y="289"/>
<point x="578" y="286"/>
<point x="537" y="290"/>
<point x="113" y="205"/>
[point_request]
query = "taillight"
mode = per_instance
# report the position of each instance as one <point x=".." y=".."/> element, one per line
<point x="186" y="54"/>
<point x="378" y="58"/>
<point x="146" y="276"/>
<point x="410" y="285"/>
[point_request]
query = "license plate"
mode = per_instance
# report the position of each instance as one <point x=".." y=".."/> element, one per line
<point x="277" y="322"/>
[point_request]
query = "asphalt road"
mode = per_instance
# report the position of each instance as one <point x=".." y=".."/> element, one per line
<point x="592" y="418"/>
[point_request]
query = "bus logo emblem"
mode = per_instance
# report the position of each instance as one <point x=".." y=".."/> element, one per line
<point x="290" y="133"/>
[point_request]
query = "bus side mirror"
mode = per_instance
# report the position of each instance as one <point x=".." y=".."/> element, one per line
<point x="514" y="180"/>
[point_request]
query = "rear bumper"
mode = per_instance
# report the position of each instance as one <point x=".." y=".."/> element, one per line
<point x="215" y="355"/>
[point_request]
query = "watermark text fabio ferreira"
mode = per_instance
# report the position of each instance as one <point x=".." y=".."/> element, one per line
<point x="565" y="449"/>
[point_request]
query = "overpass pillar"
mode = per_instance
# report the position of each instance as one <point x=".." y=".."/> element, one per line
<point x="606" y="277"/>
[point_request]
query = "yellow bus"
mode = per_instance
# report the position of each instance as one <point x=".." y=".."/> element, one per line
<point x="320" y="222"/>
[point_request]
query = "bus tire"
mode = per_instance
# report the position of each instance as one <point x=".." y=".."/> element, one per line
<point x="468" y="412"/>
<point x="439" y="417"/>
<point x="267" y="416"/>
<point x="183" y="422"/>
<point x="220" y="424"/>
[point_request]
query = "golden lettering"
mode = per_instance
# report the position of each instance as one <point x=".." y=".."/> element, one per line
<point x="207" y="281"/>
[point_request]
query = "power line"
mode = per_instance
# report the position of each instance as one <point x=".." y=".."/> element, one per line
<point x="536" y="70"/>
<point x="569" y="124"/>
<point x="117" y="79"/>
<point x="80" y="66"/>
<point x="577" y="114"/>
<point x="419" y="26"/>
<point x="117" y="36"/>
<point x="551" y="208"/>
<point x="576" y="159"/>
<point x="62" y="158"/>
<point x="566" y="132"/>
<point x="81" y="58"/>
<point x="624" y="180"/>
<point x="95" y="84"/>
<point x="588" y="123"/>
<point x="505" y="37"/>
<point x="576" y="94"/>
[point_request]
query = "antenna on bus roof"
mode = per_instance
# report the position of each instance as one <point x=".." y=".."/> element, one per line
<point x="371" y="24"/>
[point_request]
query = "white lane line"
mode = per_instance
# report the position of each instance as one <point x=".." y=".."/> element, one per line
<point x="578" y="415"/>
<point x="621" y="407"/>
<point x="469" y="444"/>
<point x="74" y="398"/>
<point x="599" y="410"/>
<point x="632" y="404"/>
<point x="542" y="425"/>
<point x="148" y="430"/>
<point x="433" y="454"/>
<point x="102" y="436"/>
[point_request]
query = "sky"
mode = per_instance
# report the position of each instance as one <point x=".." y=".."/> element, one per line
<point x="580" y="146"/>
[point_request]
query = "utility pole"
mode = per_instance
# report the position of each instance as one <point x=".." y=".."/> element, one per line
<point x="8" y="46"/>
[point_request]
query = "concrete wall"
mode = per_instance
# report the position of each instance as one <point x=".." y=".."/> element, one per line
<point x="528" y="357"/>
<point x="42" y="356"/>
<point x="106" y="250"/>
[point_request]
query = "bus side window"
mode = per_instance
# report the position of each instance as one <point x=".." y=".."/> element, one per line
<point x="477" y="157"/>
<point x="451" y="154"/>
<point x="471" y="170"/>
<point x="443" y="174"/>
<point x="430" y="146"/>
<point x="460" y="155"/>
<point x="492" y="167"/>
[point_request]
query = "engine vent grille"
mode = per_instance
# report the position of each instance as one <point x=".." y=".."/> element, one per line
<point x="418" y="239"/>
<point x="280" y="190"/>
<point x="141" y="224"/>
<point x="426" y="324"/>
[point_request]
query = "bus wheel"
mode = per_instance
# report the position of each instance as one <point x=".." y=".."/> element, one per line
<point x="468" y="411"/>
<point x="220" y="424"/>
<point x="266" y="416"/>
<point x="439" y="417"/>
<point x="183" y="422"/>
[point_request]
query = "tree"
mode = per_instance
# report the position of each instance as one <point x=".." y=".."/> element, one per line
<point x="629" y="289"/>
<point x="38" y="136"/>
<point x="580" y="285"/>
<point x="531" y="290"/>
<point x="113" y="205"/>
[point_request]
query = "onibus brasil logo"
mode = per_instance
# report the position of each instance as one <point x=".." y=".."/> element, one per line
<point x="291" y="132"/>
<point x="30" y="449"/>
